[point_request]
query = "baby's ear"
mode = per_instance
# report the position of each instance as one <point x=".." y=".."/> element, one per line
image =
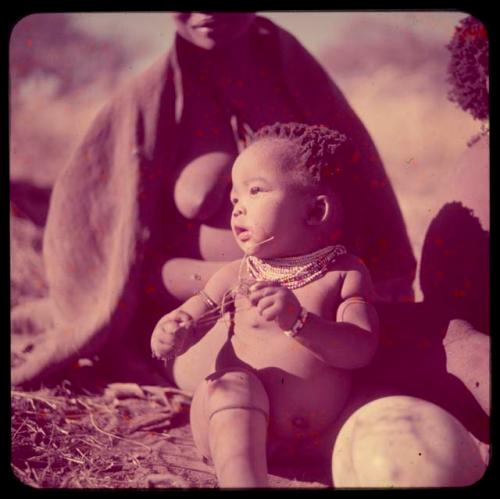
<point x="319" y="210"/>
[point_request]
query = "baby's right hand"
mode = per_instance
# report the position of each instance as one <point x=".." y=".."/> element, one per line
<point x="170" y="334"/>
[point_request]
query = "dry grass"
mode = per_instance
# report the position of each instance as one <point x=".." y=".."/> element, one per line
<point x="61" y="439"/>
<point x="127" y="436"/>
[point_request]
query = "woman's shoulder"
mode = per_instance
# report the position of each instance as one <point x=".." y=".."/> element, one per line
<point x="139" y="95"/>
<point x="149" y="80"/>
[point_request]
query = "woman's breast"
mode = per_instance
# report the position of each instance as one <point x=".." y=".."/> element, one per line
<point x="202" y="175"/>
<point x="201" y="195"/>
<point x="202" y="186"/>
<point x="207" y="150"/>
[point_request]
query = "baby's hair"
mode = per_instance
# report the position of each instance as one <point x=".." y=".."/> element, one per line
<point x="317" y="147"/>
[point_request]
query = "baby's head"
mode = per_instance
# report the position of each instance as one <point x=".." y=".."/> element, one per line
<point x="285" y="190"/>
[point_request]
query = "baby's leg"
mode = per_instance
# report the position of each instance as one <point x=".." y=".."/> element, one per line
<point x="229" y="415"/>
<point x="402" y="441"/>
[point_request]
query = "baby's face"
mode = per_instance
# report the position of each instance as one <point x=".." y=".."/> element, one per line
<point x="269" y="206"/>
<point x="211" y="29"/>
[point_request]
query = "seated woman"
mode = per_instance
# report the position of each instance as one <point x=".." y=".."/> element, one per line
<point x="149" y="183"/>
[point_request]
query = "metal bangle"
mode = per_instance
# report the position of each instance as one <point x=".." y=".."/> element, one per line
<point x="207" y="300"/>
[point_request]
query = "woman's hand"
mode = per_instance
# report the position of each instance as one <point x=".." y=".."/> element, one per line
<point x="275" y="302"/>
<point x="171" y="335"/>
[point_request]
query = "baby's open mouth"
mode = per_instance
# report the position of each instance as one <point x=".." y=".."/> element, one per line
<point x="242" y="233"/>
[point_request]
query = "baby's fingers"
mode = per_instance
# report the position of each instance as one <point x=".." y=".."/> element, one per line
<point x="163" y="345"/>
<point x="166" y="327"/>
<point x="270" y="313"/>
<point x="160" y="349"/>
<point x="267" y="307"/>
<point x="258" y="295"/>
<point x="182" y="317"/>
<point x="176" y="318"/>
<point x="264" y="284"/>
<point x="164" y="334"/>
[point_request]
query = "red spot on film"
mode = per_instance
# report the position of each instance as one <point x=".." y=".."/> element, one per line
<point x="336" y="235"/>
<point x="439" y="242"/>
<point x="355" y="157"/>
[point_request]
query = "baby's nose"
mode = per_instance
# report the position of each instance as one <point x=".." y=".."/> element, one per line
<point x="237" y="210"/>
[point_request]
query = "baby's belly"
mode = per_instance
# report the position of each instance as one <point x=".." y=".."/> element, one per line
<point x="305" y="394"/>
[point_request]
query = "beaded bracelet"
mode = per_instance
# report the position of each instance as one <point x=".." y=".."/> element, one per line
<point x="298" y="324"/>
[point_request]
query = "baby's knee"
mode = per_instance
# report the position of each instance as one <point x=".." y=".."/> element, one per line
<point x="235" y="388"/>
<point x="221" y="392"/>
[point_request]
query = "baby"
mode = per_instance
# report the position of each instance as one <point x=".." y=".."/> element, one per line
<point x="297" y="307"/>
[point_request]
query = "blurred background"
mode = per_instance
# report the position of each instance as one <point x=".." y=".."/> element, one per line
<point x="392" y="67"/>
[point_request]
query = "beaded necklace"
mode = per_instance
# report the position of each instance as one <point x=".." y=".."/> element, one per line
<point x="295" y="271"/>
<point x="292" y="272"/>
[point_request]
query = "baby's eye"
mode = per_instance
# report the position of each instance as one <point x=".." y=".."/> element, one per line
<point x="255" y="190"/>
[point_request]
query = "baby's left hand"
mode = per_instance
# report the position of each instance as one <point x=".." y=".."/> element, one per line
<point x="275" y="302"/>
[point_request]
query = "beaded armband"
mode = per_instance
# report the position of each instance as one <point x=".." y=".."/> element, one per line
<point x="298" y="324"/>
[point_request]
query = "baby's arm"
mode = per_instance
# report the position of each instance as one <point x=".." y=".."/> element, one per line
<point x="348" y="343"/>
<point x="357" y="312"/>
<point x="178" y="330"/>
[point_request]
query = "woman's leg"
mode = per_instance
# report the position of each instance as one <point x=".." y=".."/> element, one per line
<point x="188" y="370"/>
<point x="402" y="441"/>
<point x="229" y="416"/>
<point x="184" y="277"/>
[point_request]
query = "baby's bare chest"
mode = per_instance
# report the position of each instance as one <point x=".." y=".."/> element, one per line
<point x="321" y="297"/>
<point x="264" y="341"/>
